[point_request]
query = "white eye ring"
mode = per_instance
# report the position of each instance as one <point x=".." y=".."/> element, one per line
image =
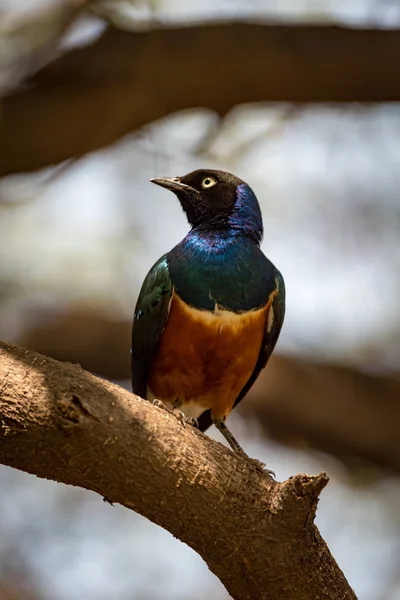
<point x="208" y="182"/>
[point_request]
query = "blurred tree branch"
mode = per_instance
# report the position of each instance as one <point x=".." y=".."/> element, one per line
<point x="257" y="535"/>
<point x="30" y="38"/>
<point x="351" y="415"/>
<point x="92" y="96"/>
<point x="340" y="410"/>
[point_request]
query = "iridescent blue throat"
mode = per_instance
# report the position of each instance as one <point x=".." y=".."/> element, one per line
<point x="246" y="216"/>
<point x="223" y="266"/>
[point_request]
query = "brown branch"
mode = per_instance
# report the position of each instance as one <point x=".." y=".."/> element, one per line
<point x="257" y="535"/>
<point x="351" y="415"/>
<point x="93" y="96"/>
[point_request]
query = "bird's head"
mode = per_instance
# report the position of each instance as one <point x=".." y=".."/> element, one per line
<point x="216" y="200"/>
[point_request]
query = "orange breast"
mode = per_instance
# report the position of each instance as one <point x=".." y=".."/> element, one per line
<point x="206" y="358"/>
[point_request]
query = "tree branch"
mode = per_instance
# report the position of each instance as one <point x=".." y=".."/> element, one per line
<point x="30" y="38"/>
<point x="257" y="535"/>
<point x="334" y="408"/>
<point x="92" y="96"/>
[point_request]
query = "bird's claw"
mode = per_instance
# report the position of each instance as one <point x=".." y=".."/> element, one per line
<point x="260" y="466"/>
<point x="160" y="404"/>
<point x="179" y="415"/>
<point x="182" y="418"/>
<point x="268" y="472"/>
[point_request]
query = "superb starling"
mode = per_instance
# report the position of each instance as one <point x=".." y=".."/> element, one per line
<point x="210" y="311"/>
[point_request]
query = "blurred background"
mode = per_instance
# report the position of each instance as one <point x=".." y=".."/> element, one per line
<point x="297" y="97"/>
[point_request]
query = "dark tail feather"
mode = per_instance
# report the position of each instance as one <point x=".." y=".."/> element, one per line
<point x="205" y="420"/>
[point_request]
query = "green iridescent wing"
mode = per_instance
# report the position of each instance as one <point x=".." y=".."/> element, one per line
<point x="150" y="318"/>
<point x="268" y="345"/>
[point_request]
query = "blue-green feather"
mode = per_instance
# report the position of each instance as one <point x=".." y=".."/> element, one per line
<point x="224" y="268"/>
<point x="150" y="318"/>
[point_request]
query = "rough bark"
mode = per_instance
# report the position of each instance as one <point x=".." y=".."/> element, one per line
<point x="339" y="410"/>
<point x="256" y="534"/>
<point x="92" y="96"/>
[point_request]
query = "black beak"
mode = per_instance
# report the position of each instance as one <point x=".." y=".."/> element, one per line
<point x="172" y="183"/>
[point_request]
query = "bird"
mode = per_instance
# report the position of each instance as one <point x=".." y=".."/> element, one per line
<point x="210" y="310"/>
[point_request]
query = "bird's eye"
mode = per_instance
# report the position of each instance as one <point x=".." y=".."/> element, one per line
<point x="208" y="182"/>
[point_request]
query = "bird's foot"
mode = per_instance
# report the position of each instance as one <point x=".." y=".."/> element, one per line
<point x="179" y="415"/>
<point x="236" y="447"/>
<point x="160" y="405"/>
<point x="182" y="418"/>
<point x="260" y="466"/>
